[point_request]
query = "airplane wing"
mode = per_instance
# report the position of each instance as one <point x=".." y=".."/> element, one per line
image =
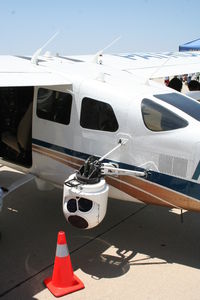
<point x="158" y="65"/>
<point x="19" y="71"/>
<point x="153" y="65"/>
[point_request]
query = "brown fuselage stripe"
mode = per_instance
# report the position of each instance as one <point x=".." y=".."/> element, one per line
<point x="164" y="193"/>
<point x="134" y="192"/>
<point x="60" y="155"/>
<point x="66" y="160"/>
<point x="151" y="193"/>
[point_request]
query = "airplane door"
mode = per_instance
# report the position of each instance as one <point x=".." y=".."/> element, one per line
<point x="15" y="125"/>
<point x="52" y="130"/>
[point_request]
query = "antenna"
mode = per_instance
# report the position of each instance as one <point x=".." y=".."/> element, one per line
<point x="34" y="58"/>
<point x="161" y="66"/>
<point x="98" y="56"/>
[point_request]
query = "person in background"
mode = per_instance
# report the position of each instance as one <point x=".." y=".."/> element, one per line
<point x="166" y="81"/>
<point x="184" y="77"/>
<point x="194" y="85"/>
<point x="176" y="84"/>
<point x="194" y="90"/>
<point x="189" y="77"/>
<point x="180" y="77"/>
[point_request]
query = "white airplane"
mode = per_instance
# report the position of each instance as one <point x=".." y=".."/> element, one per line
<point x="130" y="137"/>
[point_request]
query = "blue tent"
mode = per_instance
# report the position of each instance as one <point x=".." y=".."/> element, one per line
<point x="190" y="46"/>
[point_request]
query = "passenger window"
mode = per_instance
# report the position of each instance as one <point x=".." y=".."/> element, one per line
<point x="54" y="106"/>
<point x="97" y="115"/>
<point x="158" y="118"/>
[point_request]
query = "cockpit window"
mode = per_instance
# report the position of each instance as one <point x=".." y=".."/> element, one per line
<point x="98" y="115"/>
<point x="189" y="106"/>
<point x="158" y="118"/>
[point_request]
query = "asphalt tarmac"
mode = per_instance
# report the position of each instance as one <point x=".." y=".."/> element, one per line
<point x="137" y="252"/>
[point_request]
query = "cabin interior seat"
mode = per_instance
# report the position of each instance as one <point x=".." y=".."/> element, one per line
<point x="20" y="142"/>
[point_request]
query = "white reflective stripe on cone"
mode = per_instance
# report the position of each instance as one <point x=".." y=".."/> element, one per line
<point x="62" y="251"/>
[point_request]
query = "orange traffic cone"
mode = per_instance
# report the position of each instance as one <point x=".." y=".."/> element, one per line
<point x="63" y="280"/>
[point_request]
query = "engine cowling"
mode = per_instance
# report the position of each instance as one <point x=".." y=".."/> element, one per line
<point x="85" y="204"/>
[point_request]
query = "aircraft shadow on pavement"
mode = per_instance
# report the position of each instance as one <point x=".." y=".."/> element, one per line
<point x="154" y="235"/>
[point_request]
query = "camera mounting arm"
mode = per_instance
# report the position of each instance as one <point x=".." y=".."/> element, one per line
<point x="113" y="170"/>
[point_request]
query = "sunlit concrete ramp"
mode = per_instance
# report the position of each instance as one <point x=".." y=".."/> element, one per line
<point x="138" y="252"/>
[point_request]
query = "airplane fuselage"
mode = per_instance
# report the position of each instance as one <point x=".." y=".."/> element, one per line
<point x="102" y="105"/>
